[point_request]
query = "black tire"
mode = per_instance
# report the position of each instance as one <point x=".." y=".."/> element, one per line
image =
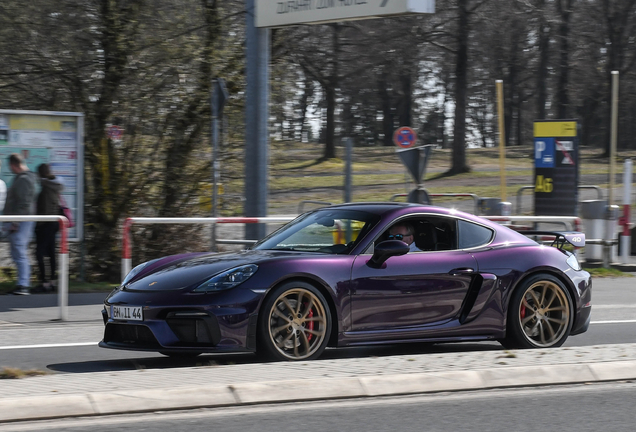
<point x="294" y="323"/>
<point x="540" y="314"/>
<point x="180" y="354"/>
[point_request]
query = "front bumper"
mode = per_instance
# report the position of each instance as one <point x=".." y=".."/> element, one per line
<point x="184" y="327"/>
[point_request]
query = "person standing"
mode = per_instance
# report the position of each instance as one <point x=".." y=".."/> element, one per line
<point x="48" y="203"/>
<point x="20" y="202"/>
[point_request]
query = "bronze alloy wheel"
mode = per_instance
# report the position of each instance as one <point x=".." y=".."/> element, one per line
<point x="298" y="323"/>
<point x="544" y="313"/>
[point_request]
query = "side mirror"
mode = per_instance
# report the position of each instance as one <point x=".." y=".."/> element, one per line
<point x="385" y="250"/>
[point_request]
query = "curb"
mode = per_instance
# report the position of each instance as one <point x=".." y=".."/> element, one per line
<point x="135" y="401"/>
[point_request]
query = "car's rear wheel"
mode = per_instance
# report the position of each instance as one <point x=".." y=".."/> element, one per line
<point x="294" y="323"/>
<point x="540" y="314"/>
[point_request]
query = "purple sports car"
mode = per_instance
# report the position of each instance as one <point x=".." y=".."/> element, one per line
<point x="354" y="274"/>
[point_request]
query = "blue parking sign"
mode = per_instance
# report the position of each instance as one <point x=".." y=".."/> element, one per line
<point x="544" y="153"/>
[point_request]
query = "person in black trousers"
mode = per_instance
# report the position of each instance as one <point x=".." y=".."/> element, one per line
<point x="48" y="204"/>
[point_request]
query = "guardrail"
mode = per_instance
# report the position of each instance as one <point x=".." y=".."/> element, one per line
<point x="62" y="274"/>
<point x="474" y="197"/>
<point x="572" y="223"/>
<point x="598" y="190"/>
<point x="126" y="259"/>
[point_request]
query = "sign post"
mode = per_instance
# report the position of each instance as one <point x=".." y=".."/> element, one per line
<point x="260" y="16"/>
<point x="219" y="96"/>
<point x="556" y="168"/>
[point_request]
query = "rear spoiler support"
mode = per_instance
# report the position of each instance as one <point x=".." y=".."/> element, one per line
<point x="576" y="239"/>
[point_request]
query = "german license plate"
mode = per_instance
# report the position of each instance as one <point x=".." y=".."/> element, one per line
<point x="126" y="313"/>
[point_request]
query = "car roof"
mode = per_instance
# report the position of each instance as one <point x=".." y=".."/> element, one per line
<point x="381" y="208"/>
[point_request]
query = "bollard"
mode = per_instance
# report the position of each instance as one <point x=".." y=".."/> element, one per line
<point x="626" y="239"/>
<point x="611" y="215"/>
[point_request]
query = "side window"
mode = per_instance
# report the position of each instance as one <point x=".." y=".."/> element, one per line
<point x="429" y="233"/>
<point x="473" y="235"/>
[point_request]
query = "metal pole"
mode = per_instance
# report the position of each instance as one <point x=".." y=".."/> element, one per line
<point x="215" y="158"/>
<point x="502" y="138"/>
<point x="609" y="223"/>
<point x="256" y="113"/>
<point x="614" y="133"/>
<point x="349" y="148"/>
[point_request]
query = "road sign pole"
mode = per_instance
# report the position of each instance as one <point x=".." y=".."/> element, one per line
<point x="348" y="181"/>
<point x="256" y="113"/>
<point x="502" y="138"/>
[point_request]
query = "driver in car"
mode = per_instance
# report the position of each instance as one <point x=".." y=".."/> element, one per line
<point x="404" y="232"/>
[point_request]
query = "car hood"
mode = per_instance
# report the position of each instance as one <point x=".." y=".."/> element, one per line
<point x="187" y="271"/>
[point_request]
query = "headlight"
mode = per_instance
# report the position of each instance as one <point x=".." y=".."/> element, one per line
<point x="228" y="279"/>
<point x="134" y="272"/>
<point x="573" y="262"/>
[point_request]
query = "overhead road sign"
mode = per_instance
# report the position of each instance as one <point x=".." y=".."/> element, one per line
<point x="279" y="13"/>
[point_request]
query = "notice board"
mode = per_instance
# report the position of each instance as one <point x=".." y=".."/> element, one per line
<point x="50" y="137"/>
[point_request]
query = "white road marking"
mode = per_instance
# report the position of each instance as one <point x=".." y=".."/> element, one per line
<point x="614" y="322"/>
<point x="74" y="344"/>
<point x="78" y="344"/>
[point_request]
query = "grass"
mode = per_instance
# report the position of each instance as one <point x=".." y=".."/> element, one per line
<point x="8" y="281"/>
<point x="15" y="373"/>
<point x="606" y="272"/>
<point x="297" y="172"/>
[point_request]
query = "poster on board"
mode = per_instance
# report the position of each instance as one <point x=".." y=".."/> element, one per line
<point x="56" y="138"/>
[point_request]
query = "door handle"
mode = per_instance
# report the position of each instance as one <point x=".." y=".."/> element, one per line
<point x="462" y="271"/>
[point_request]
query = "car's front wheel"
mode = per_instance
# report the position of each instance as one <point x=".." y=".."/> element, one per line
<point x="540" y="314"/>
<point x="294" y="323"/>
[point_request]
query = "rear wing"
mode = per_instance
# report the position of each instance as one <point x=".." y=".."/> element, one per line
<point x="576" y="239"/>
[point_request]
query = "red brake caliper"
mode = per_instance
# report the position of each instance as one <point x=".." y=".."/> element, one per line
<point x="522" y="312"/>
<point x="310" y="325"/>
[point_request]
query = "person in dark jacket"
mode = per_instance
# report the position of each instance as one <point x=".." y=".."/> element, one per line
<point x="20" y="198"/>
<point x="48" y="203"/>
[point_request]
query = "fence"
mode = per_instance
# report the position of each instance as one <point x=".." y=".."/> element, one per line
<point x="62" y="275"/>
<point x="571" y="224"/>
<point x="126" y="260"/>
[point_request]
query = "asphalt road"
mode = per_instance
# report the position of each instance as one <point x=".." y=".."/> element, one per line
<point x="71" y="347"/>
<point x="596" y="407"/>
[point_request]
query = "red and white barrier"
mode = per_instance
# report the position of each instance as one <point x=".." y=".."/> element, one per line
<point x="126" y="259"/>
<point x="62" y="274"/>
<point x="625" y="220"/>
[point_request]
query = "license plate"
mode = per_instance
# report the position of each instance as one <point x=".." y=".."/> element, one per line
<point x="126" y="313"/>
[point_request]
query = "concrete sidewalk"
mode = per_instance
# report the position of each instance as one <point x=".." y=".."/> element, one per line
<point x="115" y="392"/>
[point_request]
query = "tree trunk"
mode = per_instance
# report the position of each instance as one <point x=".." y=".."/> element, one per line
<point x="461" y="84"/>
<point x="331" y="86"/>
<point x="563" y="100"/>
<point x="387" y="113"/>
<point x="544" y="57"/>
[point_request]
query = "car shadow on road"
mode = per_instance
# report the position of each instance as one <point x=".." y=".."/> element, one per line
<point x="158" y="361"/>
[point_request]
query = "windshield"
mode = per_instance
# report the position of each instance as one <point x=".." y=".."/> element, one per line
<point x="332" y="231"/>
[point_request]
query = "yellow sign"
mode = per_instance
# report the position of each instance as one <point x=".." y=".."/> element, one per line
<point x="43" y="123"/>
<point x="554" y="129"/>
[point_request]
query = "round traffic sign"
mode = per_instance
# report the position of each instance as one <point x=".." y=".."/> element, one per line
<point x="404" y="137"/>
<point x="115" y="132"/>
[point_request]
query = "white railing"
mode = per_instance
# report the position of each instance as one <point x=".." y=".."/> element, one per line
<point x="572" y="223"/>
<point x="126" y="259"/>
<point x="62" y="275"/>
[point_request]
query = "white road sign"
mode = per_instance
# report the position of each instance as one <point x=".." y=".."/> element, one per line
<point x="278" y="13"/>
